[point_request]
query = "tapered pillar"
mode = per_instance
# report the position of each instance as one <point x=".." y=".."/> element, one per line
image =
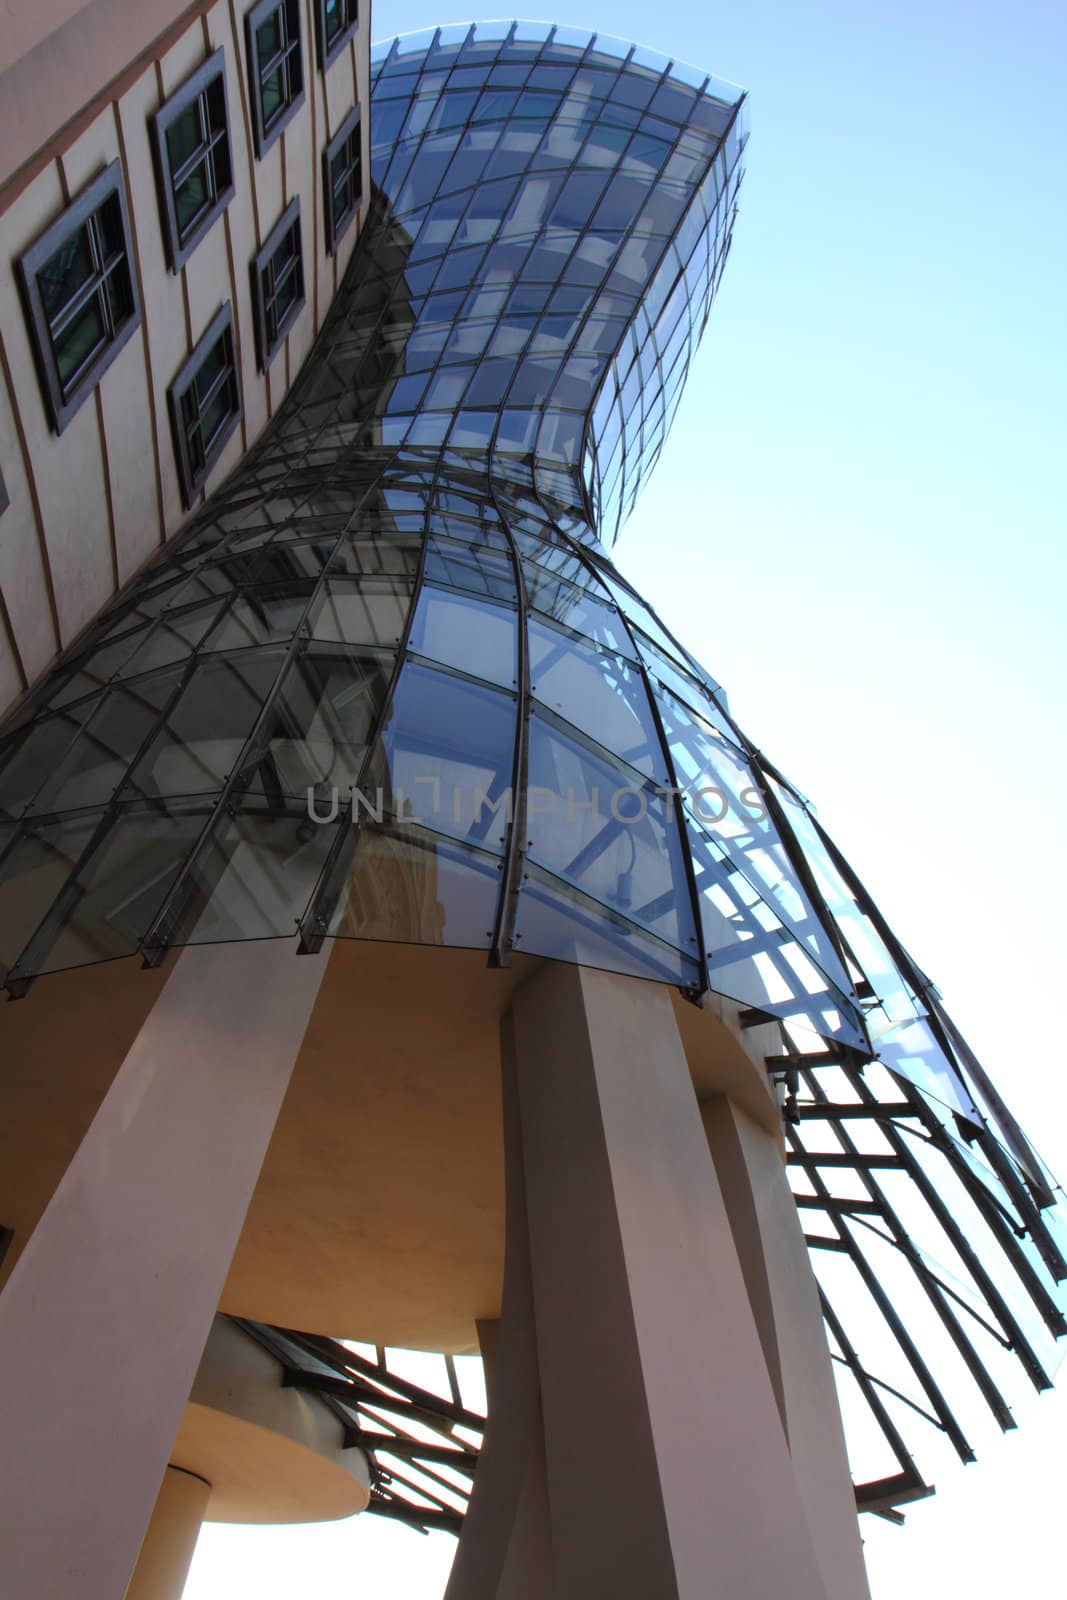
<point x="504" y="1551"/>
<point x="167" y="1552"/>
<point x="785" y="1301"/>
<point x="105" y="1315"/>
<point x="668" y="1471"/>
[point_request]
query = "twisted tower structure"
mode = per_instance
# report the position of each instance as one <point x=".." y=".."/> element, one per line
<point x="389" y="705"/>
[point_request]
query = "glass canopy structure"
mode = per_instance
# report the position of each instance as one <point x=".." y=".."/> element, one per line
<point x="390" y="685"/>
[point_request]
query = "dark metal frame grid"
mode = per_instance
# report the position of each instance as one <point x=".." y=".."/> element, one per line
<point x="62" y="399"/>
<point x="299" y="592"/>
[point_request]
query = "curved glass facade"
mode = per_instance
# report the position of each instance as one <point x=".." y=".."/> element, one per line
<point x="389" y="685"/>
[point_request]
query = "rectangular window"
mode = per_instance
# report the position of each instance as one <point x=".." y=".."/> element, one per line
<point x="275" y="67"/>
<point x="337" y="21"/>
<point x="194" y="166"/>
<point x="80" y="293"/>
<point x="205" y="405"/>
<point x="278" y="285"/>
<point x="342" y="178"/>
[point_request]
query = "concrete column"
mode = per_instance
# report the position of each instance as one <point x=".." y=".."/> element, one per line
<point x="106" y="1312"/>
<point x="667" y="1465"/>
<point x="785" y="1301"/>
<point x="504" y="1551"/>
<point x="167" y="1551"/>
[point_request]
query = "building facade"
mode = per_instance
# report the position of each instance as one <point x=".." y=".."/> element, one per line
<point x="496" y="988"/>
<point x="172" y="154"/>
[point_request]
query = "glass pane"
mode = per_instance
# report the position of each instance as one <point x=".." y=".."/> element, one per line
<point x="273" y="95"/>
<point x="725" y="805"/>
<point x="262" y="616"/>
<point x="417" y="890"/>
<point x="269" y="36"/>
<point x="31" y="879"/>
<point x="597" y="691"/>
<point x="65" y="273"/>
<point x="316" y="735"/>
<point x="362" y="611"/>
<point x="211" y="366"/>
<point x="461" y="631"/>
<point x="216" y="414"/>
<point x="912" y="1050"/>
<point x="611" y="838"/>
<point x="446" y="756"/>
<point x="333" y="17"/>
<point x="84" y="334"/>
<point x="184" y="136"/>
<point x="462" y="567"/>
<point x="192" y="197"/>
<point x="119" y="294"/>
<point x="575" y="608"/>
<point x="896" y="1004"/>
<point x="26" y="762"/>
<point x="97" y="762"/>
<point x="205" y="733"/>
<point x="255" y="877"/>
<point x="108" y="221"/>
<point x="554" y="920"/>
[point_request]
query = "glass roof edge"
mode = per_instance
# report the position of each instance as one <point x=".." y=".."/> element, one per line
<point x="709" y="84"/>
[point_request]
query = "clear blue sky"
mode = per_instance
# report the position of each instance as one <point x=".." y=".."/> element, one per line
<point x="859" y="526"/>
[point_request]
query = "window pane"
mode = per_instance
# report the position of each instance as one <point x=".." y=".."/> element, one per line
<point x="599" y="692"/>
<point x="273" y="94"/>
<point x="470" y="634"/>
<point x="579" y="610"/>
<point x="210" y="368"/>
<point x="109" y="222"/>
<point x="555" y="920"/>
<point x="192" y="196"/>
<point x="333" y="12"/>
<point x="214" y="415"/>
<point x="184" y="136"/>
<point x="119" y="294"/>
<point x="96" y="764"/>
<point x="610" y="838"/>
<point x="254" y="879"/>
<point x="446" y="755"/>
<point x="365" y="611"/>
<point x="319" y="727"/>
<point x="82" y="335"/>
<point x="269" y="36"/>
<point x="417" y="890"/>
<point x="65" y="273"/>
<point x="459" y="567"/>
<point x="339" y="169"/>
<point x="205" y="733"/>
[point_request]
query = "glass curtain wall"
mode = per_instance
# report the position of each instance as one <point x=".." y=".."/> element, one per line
<point x="389" y="685"/>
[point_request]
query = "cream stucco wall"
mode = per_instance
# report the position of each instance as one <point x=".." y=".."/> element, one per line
<point x="89" y="506"/>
